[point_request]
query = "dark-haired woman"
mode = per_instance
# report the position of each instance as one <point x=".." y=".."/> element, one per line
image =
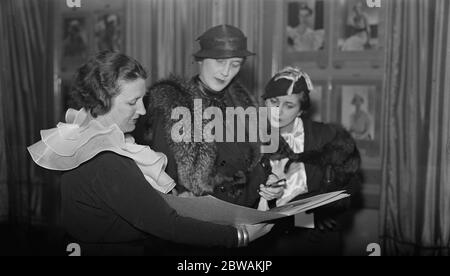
<point x="110" y="200"/>
<point x="313" y="158"/>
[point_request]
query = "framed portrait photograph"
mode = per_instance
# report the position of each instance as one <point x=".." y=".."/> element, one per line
<point x="359" y="29"/>
<point x="109" y="31"/>
<point x="358" y="109"/>
<point x="305" y="30"/>
<point x="74" y="41"/>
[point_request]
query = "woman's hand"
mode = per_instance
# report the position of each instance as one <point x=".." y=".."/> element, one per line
<point x="322" y="220"/>
<point x="256" y="231"/>
<point x="326" y="224"/>
<point x="270" y="193"/>
<point x="263" y="205"/>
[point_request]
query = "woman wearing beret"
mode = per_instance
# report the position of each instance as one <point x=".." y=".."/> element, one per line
<point x="230" y="171"/>
<point x="110" y="185"/>
<point x="313" y="158"/>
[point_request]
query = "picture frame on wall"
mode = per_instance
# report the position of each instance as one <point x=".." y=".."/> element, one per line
<point x="306" y="31"/>
<point x="359" y="32"/>
<point x="109" y="31"/>
<point x="75" y="41"/>
<point x="357" y="107"/>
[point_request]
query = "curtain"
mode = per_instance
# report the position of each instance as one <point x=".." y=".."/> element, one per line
<point x="26" y="107"/>
<point x="162" y="35"/>
<point x="3" y="176"/>
<point x="415" y="199"/>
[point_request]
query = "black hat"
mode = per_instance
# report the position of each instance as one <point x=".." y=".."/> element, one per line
<point x="304" y="6"/>
<point x="223" y="41"/>
<point x="358" y="98"/>
<point x="290" y="80"/>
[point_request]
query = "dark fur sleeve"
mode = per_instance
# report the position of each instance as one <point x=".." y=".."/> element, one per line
<point x="163" y="97"/>
<point x="339" y="160"/>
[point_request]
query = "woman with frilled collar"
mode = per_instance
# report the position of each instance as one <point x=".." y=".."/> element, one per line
<point x="109" y="188"/>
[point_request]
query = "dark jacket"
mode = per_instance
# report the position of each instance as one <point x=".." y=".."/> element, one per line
<point x="108" y="205"/>
<point x="331" y="158"/>
<point x="332" y="163"/>
<point x="227" y="170"/>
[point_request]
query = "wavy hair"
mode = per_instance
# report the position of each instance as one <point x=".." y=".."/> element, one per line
<point x="97" y="81"/>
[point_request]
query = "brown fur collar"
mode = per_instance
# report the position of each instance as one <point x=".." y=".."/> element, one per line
<point x="195" y="160"/>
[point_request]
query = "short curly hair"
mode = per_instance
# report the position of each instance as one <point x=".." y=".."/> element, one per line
<point x="97" y="81"/>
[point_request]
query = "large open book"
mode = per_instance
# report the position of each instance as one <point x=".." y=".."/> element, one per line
<point x="209" y="208"/>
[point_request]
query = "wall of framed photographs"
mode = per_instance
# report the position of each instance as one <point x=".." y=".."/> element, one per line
<point x="95" y="26"/>
<point x="340" y="43"/>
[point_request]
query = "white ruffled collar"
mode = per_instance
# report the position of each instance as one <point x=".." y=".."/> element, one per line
<point x="296" y="135"/>
<point x="82" y="137"/>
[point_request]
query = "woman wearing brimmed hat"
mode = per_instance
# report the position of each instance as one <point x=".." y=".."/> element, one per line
<point x="227" y="170"/>
<point x="313" y="158"/>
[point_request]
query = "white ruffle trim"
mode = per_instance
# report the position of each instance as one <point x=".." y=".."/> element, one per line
<point x="82" y="137"/>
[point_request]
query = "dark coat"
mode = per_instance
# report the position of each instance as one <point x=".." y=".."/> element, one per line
<point x="331" y="158"/>
<point x="109" y="208"/>
<point x="332" y="163"/>
<point x="227" y="170"/>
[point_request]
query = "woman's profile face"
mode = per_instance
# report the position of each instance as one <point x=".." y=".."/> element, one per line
<point x="288" y="107"/>
<point x="128" y="105"/>
<point x="218" y="73"/>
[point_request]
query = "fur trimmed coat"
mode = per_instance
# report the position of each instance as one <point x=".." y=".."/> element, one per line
<point x="230" y="171"/>
<point x="332" y="161"/>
